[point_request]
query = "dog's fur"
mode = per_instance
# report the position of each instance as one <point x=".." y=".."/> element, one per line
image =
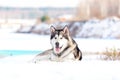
<point x="64" y="48"/>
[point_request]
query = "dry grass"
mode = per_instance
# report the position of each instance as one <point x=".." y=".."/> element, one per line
<point x="111" y="54"/>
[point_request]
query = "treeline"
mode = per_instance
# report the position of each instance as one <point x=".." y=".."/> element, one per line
<point x="98" y="8"/>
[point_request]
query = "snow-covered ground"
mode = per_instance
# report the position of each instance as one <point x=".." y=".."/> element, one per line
<point x="90" y="68"/>
<point x="83" y="70"/>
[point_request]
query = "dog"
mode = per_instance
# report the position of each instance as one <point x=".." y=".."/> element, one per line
<point x="64" y="48"/>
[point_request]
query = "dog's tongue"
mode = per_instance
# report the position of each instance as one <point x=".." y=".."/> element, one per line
<point x="57" y="49"/>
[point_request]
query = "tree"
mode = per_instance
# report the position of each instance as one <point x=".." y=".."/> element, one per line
<point x="98" y="8"/>
<point x="45" y="18"/>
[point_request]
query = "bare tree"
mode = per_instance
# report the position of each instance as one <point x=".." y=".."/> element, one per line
<point x="98" y="8"/>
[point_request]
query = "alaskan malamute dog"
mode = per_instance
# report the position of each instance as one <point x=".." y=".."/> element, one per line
<point x="64" y="48"/>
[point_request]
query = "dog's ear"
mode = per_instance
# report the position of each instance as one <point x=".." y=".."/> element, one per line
<point x="65" y="30"/>
<point x="52" y="29"/>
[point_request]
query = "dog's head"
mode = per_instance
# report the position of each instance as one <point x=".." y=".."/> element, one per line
<point x="59" y="39"/>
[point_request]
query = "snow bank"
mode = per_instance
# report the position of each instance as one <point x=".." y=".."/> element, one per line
<point x="93" y="28"/>
<point x="107" y="28"/>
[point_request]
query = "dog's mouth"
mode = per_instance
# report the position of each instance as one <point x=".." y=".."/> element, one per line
<point x="58" y="49"/>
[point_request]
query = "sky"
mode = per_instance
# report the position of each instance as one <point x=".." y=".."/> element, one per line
<point x="39" y="3"/>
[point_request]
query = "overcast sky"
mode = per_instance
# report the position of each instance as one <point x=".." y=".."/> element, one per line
<point x="39" y="3"/>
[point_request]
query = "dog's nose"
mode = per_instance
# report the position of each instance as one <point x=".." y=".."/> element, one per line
<point x="57" y="44"/>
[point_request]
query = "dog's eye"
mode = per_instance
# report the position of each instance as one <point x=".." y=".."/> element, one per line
<point x="55" y="37"/>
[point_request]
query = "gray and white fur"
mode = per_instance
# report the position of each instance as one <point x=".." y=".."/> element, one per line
<point x="64" y="48"/>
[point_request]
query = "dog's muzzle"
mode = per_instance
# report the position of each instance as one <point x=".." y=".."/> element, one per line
<point x="57" y="47"/>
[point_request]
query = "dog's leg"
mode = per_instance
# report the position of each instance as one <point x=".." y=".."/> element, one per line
<point x="68" y="51"/>
<point x="45" y="56"/>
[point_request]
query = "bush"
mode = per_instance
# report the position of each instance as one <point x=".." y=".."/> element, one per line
<point x="111" y="54"/>
<point x="45" y="18"/>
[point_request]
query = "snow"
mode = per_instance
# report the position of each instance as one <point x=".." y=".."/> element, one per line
<point x="16" y="41"/>
<point x="90" y="68"/>
<point x="95" y="70"/>
<point x="93" y="28"/>
<point x="106" y="28"/>
<point x="22" y="68"/>
<point x="11" y="41"/>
